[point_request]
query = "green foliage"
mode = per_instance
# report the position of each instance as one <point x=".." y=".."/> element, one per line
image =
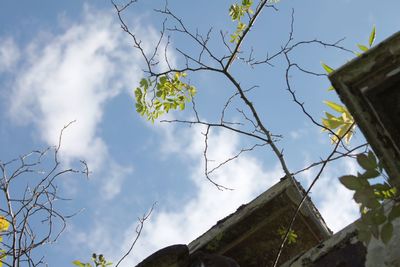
<point x="236" y="12"/>
<point x="343" y="124"/>
<point x="327" y="68"/>
<point x="372" y="36"/>
<point x="98" y="260"/>
<point x="292" y="236"/>
<point x="4" y="225"/>
<point x="370" y="197"/>
<point x="371" y="40"/>
<point x="167" y="92"/>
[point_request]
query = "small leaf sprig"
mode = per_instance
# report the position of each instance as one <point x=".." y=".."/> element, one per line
<point x="292" y="236"/>
<point x="369" y="193"/>
<point x="371" y="41"/>
<point x="98" y="260"/>
<point x="344" y="124"/>
<point x="167" y="92"/>
<point x="236" y="12"/>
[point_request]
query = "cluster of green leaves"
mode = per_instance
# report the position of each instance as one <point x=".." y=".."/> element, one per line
<point x="4" y="225"/>
<point x="98" y="260"/>
<point x="369" y="193"/>
<point x="236" y="12"/>
<point x="167" y="92"/>
<point x="292" y="236"/>
<point x="343" y="124"/>
<point x="374" y="221"/>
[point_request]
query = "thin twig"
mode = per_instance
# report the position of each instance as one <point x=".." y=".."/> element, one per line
<point x="139" y="229"/>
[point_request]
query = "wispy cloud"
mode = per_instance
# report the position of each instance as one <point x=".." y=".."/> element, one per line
<point x="70" y="76"/>
<point x="9" y="54"/>
<point x="208" y="205"/>
<point x="333" y="200"/>
<point x="246" y="175"/>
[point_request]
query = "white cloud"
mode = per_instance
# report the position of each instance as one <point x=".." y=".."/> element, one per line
<point x="9" y="54"/>
<point x="246" y="175"/>
<point x="70" y="76"/>
<point x="73" y="75"/>
<point x="332" y="199"/>
<point x="208" y="205"/>
<point x="336" y="204"/>
<point x="113" y="184"/>
<point x="298" y="134"/>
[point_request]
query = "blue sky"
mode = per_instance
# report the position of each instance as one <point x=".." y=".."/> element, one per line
<point x="70" y="60"/>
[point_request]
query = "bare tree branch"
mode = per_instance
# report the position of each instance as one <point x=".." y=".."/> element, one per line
<point x="35" y="204"/>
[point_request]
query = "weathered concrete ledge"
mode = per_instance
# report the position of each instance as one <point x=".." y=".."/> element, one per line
<point x="250" y="235"/>
<point x="345" y="250"/>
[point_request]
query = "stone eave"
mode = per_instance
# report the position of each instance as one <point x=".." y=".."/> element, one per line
<point x="289" y="193"/>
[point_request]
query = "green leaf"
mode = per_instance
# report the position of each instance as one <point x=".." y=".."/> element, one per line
<point x="361" y="225"/>
<point x="292" y="237"/>
<point x="372" y="203"/>
<point x="326" y="68"/>
<point x="138" y="93"/>
<point x="78" y="263"/>
<point x="144" y="83"/>
<point x="247" y="2"/>
<point x="386" y="232"/>
<point x="139" y="107"/>
<point x="364" y="236"/>
<point x="372" y="36"/>
<point x="235" y="12"/>
<point x="331" y="117"/>
<point x="364" y="194"/>
<point x="366" y="198"/>
<point x="331" y="88"/>
<point x="377" y="216"/>
<point x="362" y="47"/>
<point x="332" y="123"/>
<point x="336" y="107"/>
<point x="394" y="213"/>
<point x="370" y="174"/>
<point x="163" y="80"/>
<point x="241" y="26"/>
<point x="365" y="162"/>
<point x="351" y="182"/>
<point x="375" y="231"/>
<point x="372" y="158"/>
<point x="349" y="132"/>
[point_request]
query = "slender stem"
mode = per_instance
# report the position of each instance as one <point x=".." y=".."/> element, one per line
<point x="303" y="200"/>
<point x="269" y="138"/>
